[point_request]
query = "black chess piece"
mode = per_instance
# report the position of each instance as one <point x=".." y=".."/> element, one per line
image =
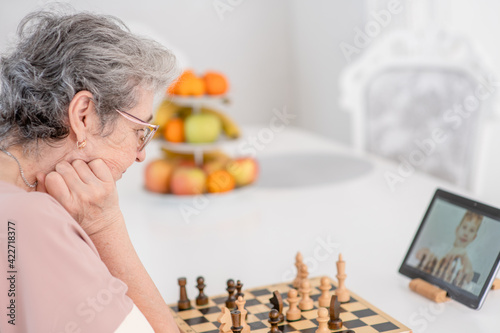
<point x="183" y="303"/>
<point x="274" y="320"/>
<point x="433" y="265"/>
<point x="231" y="300"/>
<point x="202" y="299"/>
<point x="236" y="319"/>
<point x="421" y="263"/>
<point x="440" y="267"/>
<point x="239" y="286"/>
<point x="335" y="322"/>
<point x="277" y="303"/>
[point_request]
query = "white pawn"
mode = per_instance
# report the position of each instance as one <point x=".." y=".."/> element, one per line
<point x="325" y="286"/>
<point x="306" y="303"/>
<point x="293" y="313"/>
<point x="323" y="321"/>
<point x="240" y="303"/>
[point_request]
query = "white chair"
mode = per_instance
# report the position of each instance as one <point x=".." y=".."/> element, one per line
<point x="421" y="99"/>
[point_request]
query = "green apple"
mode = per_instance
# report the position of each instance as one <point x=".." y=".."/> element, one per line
<point x="202" y="128"/>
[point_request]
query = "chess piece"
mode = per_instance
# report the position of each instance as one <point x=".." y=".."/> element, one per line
<point x="440" y="267"/>
<point x="231" y="300"/>
<point x="306" y="303"/>
<point x="452" y="269"/>
<point x="239" y="286"/>
<point x="304" y="273"/>
<point x="240" y="303"/>
<point x="183" y="303"/>
<point x="335" y="322"/>
<point x="202" y="299"/>
<point x="325" y="286"/>
<point x="277" y="303"/>
<point x="322" y="321"/>
<point x="274" y="320"/>
<point x="433" y="265"/>
<point x="298" y="263"/>
<point x="225" y="320"/>
<point x="293" y="313"/>
<point x="236" y="319"/>
<point x="421" y="263"/>
<point x="341" y="292"/>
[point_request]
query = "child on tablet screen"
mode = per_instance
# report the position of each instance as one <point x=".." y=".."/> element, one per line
<point x="455" y="266"/>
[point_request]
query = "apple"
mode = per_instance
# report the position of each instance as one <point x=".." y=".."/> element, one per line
<point x="188" y="180"/>
<point x="202" y="128"/>
<point x="214" y="165"/>
<point x="244" y="170"/>
<point x="185" y="162"/>
<point x="157" y="176"/>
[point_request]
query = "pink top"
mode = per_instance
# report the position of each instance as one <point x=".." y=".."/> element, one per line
<point x="52" y="278"/>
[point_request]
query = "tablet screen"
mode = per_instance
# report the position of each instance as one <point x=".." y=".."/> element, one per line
<point x="457" y="247"/>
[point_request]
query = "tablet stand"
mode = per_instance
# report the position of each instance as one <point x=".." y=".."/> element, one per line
<point x="436" y="294"/>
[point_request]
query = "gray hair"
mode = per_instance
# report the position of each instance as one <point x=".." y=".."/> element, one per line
<point x="58" y="55"/>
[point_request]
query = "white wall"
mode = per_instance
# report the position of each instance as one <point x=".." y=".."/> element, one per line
<point x="317" y="28"/>
<point x="276" y="53"/>
<point x="249" y="44"/>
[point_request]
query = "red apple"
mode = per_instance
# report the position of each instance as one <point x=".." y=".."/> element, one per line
<point x="188" y="180"/>
<point x="214" y="165"/>
<point x="244" y="170"/>
<point x="157" y="176"/>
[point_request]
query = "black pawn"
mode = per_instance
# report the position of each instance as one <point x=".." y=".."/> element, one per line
<point x="239" y="286"/>
<point x="274" y="320"/>
<point x="231" y="300"/>
<point x="183" y="303"/>
<point x="202" y="299"/>
<point x="236" y="319"/>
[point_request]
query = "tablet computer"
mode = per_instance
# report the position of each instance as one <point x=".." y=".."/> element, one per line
<point x="457" y="248"/>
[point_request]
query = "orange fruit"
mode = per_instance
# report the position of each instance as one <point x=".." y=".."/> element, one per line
<point x="178" y="87"/>
<point x="215" y="83"/>
<point x="196" y="86"/>
<point x="174" y="130"/>
<point x="220" y="181"/>
<point x="187" y="84"/>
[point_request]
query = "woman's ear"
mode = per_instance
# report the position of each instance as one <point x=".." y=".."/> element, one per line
<point x="80" y="114"/>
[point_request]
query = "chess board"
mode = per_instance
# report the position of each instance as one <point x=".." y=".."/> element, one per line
<point x="357" y="315"/>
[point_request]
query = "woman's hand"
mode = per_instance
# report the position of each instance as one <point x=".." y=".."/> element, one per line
<point x="86" y="190"/>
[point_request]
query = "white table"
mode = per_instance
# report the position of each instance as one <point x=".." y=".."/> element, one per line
<point x="253" y="235"/>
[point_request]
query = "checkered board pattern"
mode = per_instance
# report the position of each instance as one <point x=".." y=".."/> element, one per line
<point x="357" y="315"/>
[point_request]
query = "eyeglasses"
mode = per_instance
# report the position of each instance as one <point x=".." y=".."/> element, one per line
<point x="149" y="129"/>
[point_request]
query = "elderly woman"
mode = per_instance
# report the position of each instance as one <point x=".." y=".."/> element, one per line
<point x="76" y="100"/>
